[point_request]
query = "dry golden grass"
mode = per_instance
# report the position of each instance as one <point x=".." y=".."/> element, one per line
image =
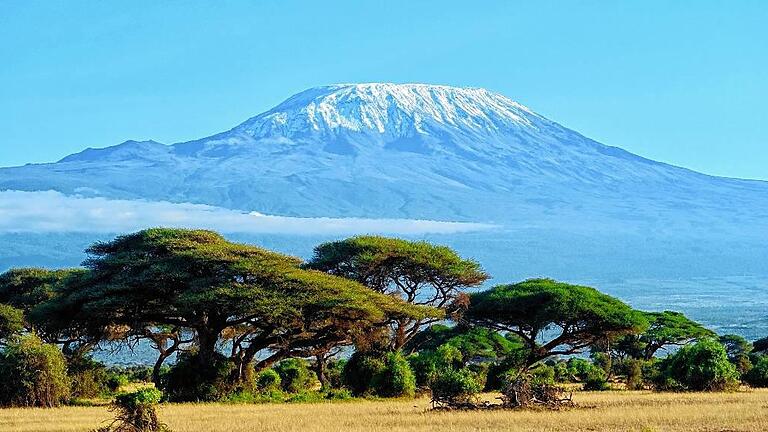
<point x="608" y="411"/>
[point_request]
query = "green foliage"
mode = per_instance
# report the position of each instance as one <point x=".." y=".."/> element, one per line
<point x="11" y="322"/>
<point x="32" y="374"/>
<point x="136" y="412"/>
<point x="191" y="381"/>
<point x="595" y="379"/>
<point x="453" y="387"/>
<point x="89" y="377"/>
<point x="669" y="329"/>
<point x="703" y="366"/>
<point x="268" y="380"/>
<point x="379" y="374"/>
<point x="542" y="374"/>
<point x="334" y="373"/>
<point x="295" y="376"/>
<point x="472" y="342"/>
<point x="760" y="345"/>
<point x="758" y="375"/>
<point x="416" y="271"/>
<point x="632" y="369"/>
<point x="27" y="289"/>
<point x="360" y="370"/>
<point x="738" y="350"/>
<point x="397" y="379"/>
<point x="117" y="381"/>
<point x="582" y="314"/>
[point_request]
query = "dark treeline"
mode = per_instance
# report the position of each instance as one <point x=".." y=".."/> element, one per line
<point x="364" y="316"/>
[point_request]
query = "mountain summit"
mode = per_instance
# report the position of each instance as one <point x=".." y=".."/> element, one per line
<point x="410" y="151"/>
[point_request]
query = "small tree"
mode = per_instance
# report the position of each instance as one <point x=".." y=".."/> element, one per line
<point x="758" y="375"/>
<point x="11" y="323"/>
<point x="670" y="328"/>
<point x="703" y="366"/>
<point x="418" y="272"/>
<point x="454" y="388"/>
<point x="738" y="350"/>
<point x="135" y="412"/>
<point x="553" y="318"/>
<point x="295" y="376"/>
<point x="32" y="374"/>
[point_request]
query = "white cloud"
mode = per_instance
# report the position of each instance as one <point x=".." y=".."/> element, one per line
<point x="51" y="211"/>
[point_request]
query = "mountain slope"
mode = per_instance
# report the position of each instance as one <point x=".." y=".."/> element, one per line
<point x="412" y="151"/>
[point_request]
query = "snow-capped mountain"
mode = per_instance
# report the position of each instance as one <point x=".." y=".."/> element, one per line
<point x="409" y="151"/>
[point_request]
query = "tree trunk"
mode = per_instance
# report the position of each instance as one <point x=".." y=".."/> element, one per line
<point x="320" y="367"/>
<point x="156" y="368"/>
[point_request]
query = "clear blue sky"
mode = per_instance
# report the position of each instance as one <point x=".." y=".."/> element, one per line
<point x="685" y="82"/>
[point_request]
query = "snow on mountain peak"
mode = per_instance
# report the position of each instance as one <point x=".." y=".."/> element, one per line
<point x="386" y="108"/>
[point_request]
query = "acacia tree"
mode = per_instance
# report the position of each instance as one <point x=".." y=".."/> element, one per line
<point x="28" y="288"/>
<point x="416" y="271"/>
<point x="665" y="329"/>
<point x="199" y="282"/>
<point x="552" y="318"/>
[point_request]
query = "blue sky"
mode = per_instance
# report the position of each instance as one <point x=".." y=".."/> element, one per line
<point x="683" y="82"/>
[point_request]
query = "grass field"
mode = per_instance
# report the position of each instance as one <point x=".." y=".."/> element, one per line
<point x="606" y="411"/>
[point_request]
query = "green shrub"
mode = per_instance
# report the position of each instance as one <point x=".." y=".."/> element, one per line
<point x="89" y="377"/>
<point x="562" y="373"/>
<point x="187" y="381"/>
<point x="542" y="374"/>
<point x="295" y="375"/>
<point x="360" y="371"/>
<point x="337" y="394"/>
<point x="703" y="366"/>
<point x="453" y="387"/>
<point x="596" y="379"/>
<point x="33" y="374"/>
<point x="334" y="373"/>
<point x="11" y="322"/>
<point x="423" y="367"/>
<point x="632" y="369"/>
<point x="268" y="381"/>
<point x="135" y="412"/>
<point x="758" y="375"/>
<point x="116" y="381"/>
<point x="397" y="379"/>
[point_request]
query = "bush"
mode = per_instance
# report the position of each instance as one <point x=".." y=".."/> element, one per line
<point x="632" y="369"/>
<point x="423" y="367"/>
<point x="33" y="374"/>
<point x="268" y="381"/>
<point x="703" y="366"/>
<point x="562" y="373"/>
<point x="186" y="381"/>
<point x="385" y="375"/>
<point x="334" y="373"/>
<point x="542" y="374"/>
<point x="360" y="371"/>
<point x="295" y="376"/>
<point x="116" y="381"/>
<point x="89" y="377"/>
<point x="11" y="322"/>
<point x="136" y="412"/>
<point x="454" y="387"/>
<point x="596" y="379"/>
<point x="758" y="375"/>
<point x="397" y="379"/>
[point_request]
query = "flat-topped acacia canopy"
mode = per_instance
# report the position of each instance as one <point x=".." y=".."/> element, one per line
<point x="553" y="318"/>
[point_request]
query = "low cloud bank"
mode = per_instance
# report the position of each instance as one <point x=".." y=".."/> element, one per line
<point x="51" y="211"/>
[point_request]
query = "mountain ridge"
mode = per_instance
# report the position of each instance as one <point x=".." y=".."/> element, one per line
<point x="408" y="151"/>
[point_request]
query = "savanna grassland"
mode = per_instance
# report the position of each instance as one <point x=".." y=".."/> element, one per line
<point x="745" y="411"/>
